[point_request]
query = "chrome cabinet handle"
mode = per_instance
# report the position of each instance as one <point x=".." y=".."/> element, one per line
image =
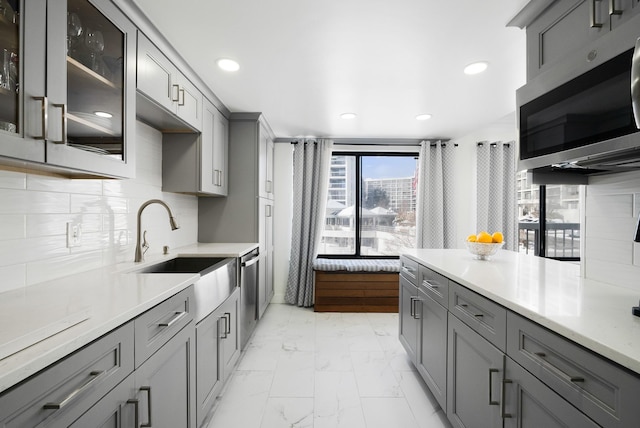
<point x="43" y="117"/>
<point x="593" y="19"/>
<point x="411" y="308"/>
<point x="503" y="409"/>
<point x="430" y="284"/>
<point x="62" y="107"/>
<point x="491" y="401"/>
<point x="177" y="317"/>
<point x="181" y="91"/>
<point x="228" y="323"/>
<point x="268" y="210"/>
<point x="175" y="89"/>
<point x="224" y="330"/>
<point x="415" y="311"/>
<point x="612" y="8"/>
<point x="95" y="376"/>
<point x="557" y="371"/>
<point x="147" y="389"/>
<point x="136" y="411"/>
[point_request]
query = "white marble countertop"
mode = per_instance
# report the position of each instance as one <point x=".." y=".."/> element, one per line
<point x="42" y="323"/>
<point x="552" y="293"/>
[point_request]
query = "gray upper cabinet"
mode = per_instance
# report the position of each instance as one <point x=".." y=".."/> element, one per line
<point x="87" y="51"/>
<point x="568" y="26"/>
<point x="167" y="94"/>
<point x="197" y="163"/>
<point x="245" y="215"/>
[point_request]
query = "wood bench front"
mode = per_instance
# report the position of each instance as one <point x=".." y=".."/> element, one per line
<point x="339" y="291"/>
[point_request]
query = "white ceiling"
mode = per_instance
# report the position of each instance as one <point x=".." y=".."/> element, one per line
<point x="305" y="62"/>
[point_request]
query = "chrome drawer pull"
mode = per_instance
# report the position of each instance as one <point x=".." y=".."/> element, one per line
<point x="557" y="371"/>
<point x="429" y="284"/>
<point x="491" y="401"/>
<point x="228" y="323"/>
<point x="95" y="375"/>
<point x="224" y="330"/>
<point x="612" y="8"/>
<point x="44" y="117"/>
<point x="177" y="317"/>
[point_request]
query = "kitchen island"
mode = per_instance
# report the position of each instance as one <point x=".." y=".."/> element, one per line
<point x="519" y="340"/>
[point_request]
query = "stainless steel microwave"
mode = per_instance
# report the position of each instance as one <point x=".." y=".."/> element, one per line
<point x="586" y="123"/>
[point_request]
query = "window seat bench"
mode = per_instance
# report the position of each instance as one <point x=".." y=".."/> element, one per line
<point x="356" y="285"/>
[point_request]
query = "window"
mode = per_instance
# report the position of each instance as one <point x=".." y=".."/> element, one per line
<point x="549" y="223"/>
<point x="371" y="206"/>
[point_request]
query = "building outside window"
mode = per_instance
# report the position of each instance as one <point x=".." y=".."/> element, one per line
<point x="371" y="205"/>
<point x="548" y="219"/>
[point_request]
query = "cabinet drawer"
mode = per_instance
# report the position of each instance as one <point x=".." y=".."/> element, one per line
<point x="599" y="388"/>
<point x="484" y="316"/>
<point x="434" y="285"/>
<point x="66" y="389"/>
<point x="409" y="269"/>
<point x="159" y="324"/>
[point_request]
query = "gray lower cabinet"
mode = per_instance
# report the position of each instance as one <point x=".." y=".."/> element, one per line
<point x="408" y="323"/>
<point x="432" y="354"/>
<point x="475" y="370"/>
<point x="65" y="390"/>
<point x="165" y="383"/>
<point x="217" y="351"/>
<point x="529" y="403"/>
<point x="114" y="410"/>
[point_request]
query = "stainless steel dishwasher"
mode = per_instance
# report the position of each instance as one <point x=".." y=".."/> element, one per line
<point x="248" y="294"/>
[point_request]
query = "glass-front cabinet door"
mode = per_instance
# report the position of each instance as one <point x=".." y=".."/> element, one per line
<point x="67" y="86"/>
<point x="90" y="87"/>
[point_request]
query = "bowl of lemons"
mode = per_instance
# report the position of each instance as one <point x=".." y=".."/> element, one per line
<point x="484" y="245"/>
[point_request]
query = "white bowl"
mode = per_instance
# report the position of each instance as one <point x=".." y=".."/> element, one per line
<point x="483" y="251"/>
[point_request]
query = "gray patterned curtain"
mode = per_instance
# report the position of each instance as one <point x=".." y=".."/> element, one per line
<point x="436" y="214"/>
<point x="496" y="181"/>
<point x="311" y="162"/>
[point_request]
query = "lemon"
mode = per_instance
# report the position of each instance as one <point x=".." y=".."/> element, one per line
<point x="484" y="237"/>
<point x="497" y="237"/>
<point x="472" y="238"/>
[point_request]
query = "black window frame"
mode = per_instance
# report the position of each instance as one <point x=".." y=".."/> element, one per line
<point x="358" y="189"/>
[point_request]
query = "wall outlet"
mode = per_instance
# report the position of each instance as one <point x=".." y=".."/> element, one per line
<point x="74" y="234"/>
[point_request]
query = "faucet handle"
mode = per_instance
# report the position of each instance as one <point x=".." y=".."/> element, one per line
<point x="145" y="244"/>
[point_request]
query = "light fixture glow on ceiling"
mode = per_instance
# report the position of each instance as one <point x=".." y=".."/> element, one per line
<point x="103" y="114"/>
<point x="425" y="116"/>
<point x="348" y="115"/>
<point x="476" y="67"/>
<point x="227" y="64"/>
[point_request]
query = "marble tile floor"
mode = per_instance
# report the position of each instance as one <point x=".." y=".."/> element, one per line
<point x="325" y="370"/>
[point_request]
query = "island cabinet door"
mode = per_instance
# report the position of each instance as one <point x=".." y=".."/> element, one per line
<point x="165" y="384"/>
<point x="528" y="403"/>
<point x="474" y="376"/>
<point x="432" y="357"/>
<point x="408" y="323"/>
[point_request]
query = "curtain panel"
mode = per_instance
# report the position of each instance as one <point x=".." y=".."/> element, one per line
<point x="311" y="163"/>
<point x="435" y="211"/>
<point x="496" y="184"/>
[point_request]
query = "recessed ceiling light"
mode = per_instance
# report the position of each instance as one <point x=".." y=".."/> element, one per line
<point x="423" y="116"/>
<point x="476" y="67"/>
<point x="103" y="114"/>
<point x="227" y="64"/>
<point x="348" y="115"/>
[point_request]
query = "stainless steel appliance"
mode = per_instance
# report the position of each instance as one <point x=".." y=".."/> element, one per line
<point x="248" y="295"/>
<point x="579" y="117"/>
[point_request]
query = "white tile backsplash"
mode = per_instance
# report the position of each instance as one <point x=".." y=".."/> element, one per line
<point x="35" y="209"/>
<point x="611" y="216"/>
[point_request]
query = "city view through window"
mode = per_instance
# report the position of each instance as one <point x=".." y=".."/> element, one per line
<point x="385" y="204"/>
<point x="371" y="210"/>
